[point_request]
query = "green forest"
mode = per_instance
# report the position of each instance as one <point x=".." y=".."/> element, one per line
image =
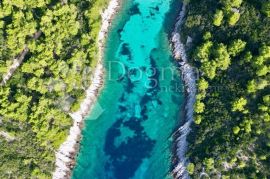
<point x="47" y="50"/>
<point x="231" y="50"/>
<point x="54" y="43"/>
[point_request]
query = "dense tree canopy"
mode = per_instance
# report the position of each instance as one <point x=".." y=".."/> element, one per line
<point x="230" y="137"/>
<point x="58" y="38"/>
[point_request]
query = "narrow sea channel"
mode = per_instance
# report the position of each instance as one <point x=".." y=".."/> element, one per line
<point x="129" y="131"/>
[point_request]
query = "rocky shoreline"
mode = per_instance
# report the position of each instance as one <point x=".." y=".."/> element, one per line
<point x="65" y="156"/>
<point x="189" y="80"/>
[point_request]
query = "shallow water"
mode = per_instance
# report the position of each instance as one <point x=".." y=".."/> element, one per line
<point x="129" y="131"/>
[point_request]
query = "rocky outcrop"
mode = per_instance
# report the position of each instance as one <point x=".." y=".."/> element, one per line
<point x="189" y="80"/>
<point x="65" y="156"/>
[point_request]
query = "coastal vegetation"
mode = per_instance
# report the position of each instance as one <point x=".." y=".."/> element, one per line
<point x="47" y="49"/>
<point x="231" y="50"/>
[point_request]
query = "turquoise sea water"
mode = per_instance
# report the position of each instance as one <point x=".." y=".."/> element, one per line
<point x="129" y="132"/>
